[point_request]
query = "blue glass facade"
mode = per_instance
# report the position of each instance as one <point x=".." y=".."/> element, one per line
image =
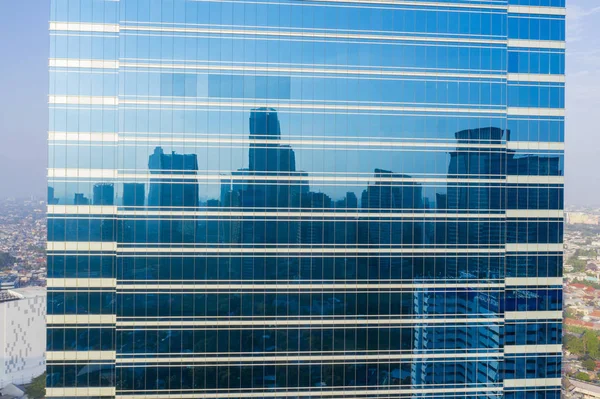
<point x="298" y="198"/>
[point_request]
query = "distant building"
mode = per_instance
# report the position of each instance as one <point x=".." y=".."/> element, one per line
<point x="579" y="389"/>
<point x="22" y="335"/>
<point x="581" y="323"/>
<point x="581" y="218"/>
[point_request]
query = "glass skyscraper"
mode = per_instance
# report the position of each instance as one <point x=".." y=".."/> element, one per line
<point x="305" y="199"/>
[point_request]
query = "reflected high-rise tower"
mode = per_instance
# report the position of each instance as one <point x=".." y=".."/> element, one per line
<point x="173" y="191"/>
<point x="269" y="183"/>
<point x="305" y="199"/>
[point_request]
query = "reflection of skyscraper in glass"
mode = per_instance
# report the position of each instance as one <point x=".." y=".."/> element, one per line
<point x="429" y="338"/>
<point x="287" y="210"/>
<point x="266" y="154"/>
<point x="476" y="156"/>
<point x="104" y="194"/>
<point x="80" y="199"/>
<point x="270" y="182"/>
<point x="52" y="200"/>
<point x="391" y="193"/>
<point x="479" y="154"/>
<point x="175" y="190"/>
<point x="134" y="194"/>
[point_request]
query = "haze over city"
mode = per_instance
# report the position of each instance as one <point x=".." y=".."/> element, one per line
<point x="285" y="198"/>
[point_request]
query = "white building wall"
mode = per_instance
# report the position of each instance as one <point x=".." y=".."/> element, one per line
<point x="23" y="337"/>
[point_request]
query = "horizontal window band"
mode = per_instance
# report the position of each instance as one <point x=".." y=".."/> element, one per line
<point x="520" y="111"/>
<point x="59" y="211"/>
<point x="535" y="145"/>
<point x="83" y="173"/>
<point x="424" y="254"/>
<point x="83" y="63"/>
<point x="314" y="218"/>
<point x="459" y="282"/>
<point x="192" y="178"/>
<point x="435" y="4"/>
<point x="334" y="142"/>
<point x="80" y="326"/>
<point x="304" y="34"/>
<point x="316" y="250"/>
<point x="81" y="246"/>
<point x="535" y="213"/>
<point x="534" y="315"/>
<point x="80" y="319"/>
<point x="545" y="44"/>
<point x="284" y="355"/>
<point x="532" y="382"/>
<point x="534" y="247"/>
<point x="303" y="322"/>
<point x="277" y="286"/>
<point x="81" y="210"/>
<point x="271" y="34"/>
<point x="531" y="77"/>
<point x="533" y="281"/>
<point x="371" y="392"/>
<point x="83" y="100"/>
<point x="75" y="246"/>
<point x="81" y="283"/>
<point x="109" y="392"/>
<point x="349" y="292"/>
<point x="383" y="69"/>
<point x="53" y="356"/>
<point x="320" y="106"/>
<point x="532" y="349"/>
<point x="108" y="64"/>
<point x="345" y="112"/>
<point x="337" y="327"/>
<point x="253" y="360"/>
<point x="322" y="73"/>
<point x="84" y="137"/>
<point x="169" y="102"/>
<point x="84" y="27"/>
<point x="512" y="179"/>
<point x="294" y="288"/>
<point x="542" y="10"/>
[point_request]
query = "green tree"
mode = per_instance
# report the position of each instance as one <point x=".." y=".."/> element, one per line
<point x="574" y="345"/>
<point x="6" y="260"/>
<point x="589" y="364"/>
<point x="571" y="313"/>
<point x="37" y="388"/>
<point x="591" y="344"/>
<point x="582" y="376"/>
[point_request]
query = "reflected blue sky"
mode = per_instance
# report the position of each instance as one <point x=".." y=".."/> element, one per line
<point x="23" y="111"/>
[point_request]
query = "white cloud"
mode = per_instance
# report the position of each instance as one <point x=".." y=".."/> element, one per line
<point x="577" y="17"/>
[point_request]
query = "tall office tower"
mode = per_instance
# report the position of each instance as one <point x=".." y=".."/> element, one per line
<point x="302" y="198"/>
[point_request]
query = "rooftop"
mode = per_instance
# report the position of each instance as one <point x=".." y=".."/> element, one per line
<point x="21" y="293"/>
<point x="8" y="295"/>
<point x="31" y="291"/>
<point x="585" y="386"/>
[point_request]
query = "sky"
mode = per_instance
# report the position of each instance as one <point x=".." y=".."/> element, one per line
<point x="24" y="47"/>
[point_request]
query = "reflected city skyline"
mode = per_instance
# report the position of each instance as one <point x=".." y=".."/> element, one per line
<point x="268" y="157"/>
<point x="316" y="199"/>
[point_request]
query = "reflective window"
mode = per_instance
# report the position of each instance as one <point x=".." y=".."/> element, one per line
<point x="262" y="197"/>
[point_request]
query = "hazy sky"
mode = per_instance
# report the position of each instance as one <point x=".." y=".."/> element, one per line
<point x="24" y="81"/>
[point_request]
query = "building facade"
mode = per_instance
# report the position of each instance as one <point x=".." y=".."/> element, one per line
<point x="22" y="342"/>
<point x="305" y="198"/>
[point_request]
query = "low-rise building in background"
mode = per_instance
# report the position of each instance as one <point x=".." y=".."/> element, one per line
<point x="22" y="335"/>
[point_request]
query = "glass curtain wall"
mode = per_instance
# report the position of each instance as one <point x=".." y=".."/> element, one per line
<point x="305" y="198"/>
